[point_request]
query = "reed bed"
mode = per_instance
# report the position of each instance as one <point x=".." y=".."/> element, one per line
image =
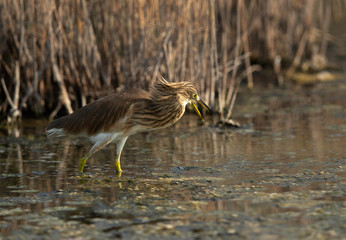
<point x="56" y="56"/>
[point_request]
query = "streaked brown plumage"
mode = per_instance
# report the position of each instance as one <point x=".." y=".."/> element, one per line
<point x="122" y="114"/>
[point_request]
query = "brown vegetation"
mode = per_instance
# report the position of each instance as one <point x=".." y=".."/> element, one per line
<point x="56" y="54"/>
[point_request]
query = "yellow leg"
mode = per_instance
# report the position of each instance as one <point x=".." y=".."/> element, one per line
<point x="117" y="164"/>
<point x="97" y="146"/>
<point x="82" y="163"/>
<point x="120" y="145"/>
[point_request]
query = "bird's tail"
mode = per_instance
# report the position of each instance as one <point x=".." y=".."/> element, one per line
<point x="56" y="128"/>
<point x="58" y="132"/>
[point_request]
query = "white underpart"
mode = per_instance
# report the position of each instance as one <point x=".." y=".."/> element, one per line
<point x="102" y="139"/>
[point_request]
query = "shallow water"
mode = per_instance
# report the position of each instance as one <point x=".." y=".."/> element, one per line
<point x="279" y="176"/>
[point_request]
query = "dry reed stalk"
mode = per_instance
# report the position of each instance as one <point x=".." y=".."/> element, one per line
<point x="82" y="49"/>
<point x="64" y="97"/>
<point x="246" y="46"/>
<point x="299" y="54"/>
<point x="232" y="91"/>
<point x="214" y="76"/>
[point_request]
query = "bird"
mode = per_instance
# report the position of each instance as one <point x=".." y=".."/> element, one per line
<point x="121" y="114"/>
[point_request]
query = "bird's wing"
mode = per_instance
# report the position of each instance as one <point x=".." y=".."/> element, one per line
<point x="106" y="114"/>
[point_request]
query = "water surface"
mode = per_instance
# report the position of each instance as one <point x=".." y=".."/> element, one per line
<point x="279" y="176"/>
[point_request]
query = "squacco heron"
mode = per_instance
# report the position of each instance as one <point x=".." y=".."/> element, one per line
<point x="120" y="115"/>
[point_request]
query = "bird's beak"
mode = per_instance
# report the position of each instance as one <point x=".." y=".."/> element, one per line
<point x="200" y="101"/>
<point x="196" y="109"/>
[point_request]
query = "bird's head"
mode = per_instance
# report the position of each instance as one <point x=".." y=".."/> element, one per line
<point x="192" y="97"/>
<point x="185" y="92"/>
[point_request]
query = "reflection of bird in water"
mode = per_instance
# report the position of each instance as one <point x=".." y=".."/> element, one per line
<point x="117" y="116"/>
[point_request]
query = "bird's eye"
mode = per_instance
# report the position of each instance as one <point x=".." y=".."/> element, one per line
<point x="194" y="95"/>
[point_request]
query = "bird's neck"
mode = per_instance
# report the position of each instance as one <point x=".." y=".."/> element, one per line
<point x="170" y="107"/>
<point x="160" y="112"/>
